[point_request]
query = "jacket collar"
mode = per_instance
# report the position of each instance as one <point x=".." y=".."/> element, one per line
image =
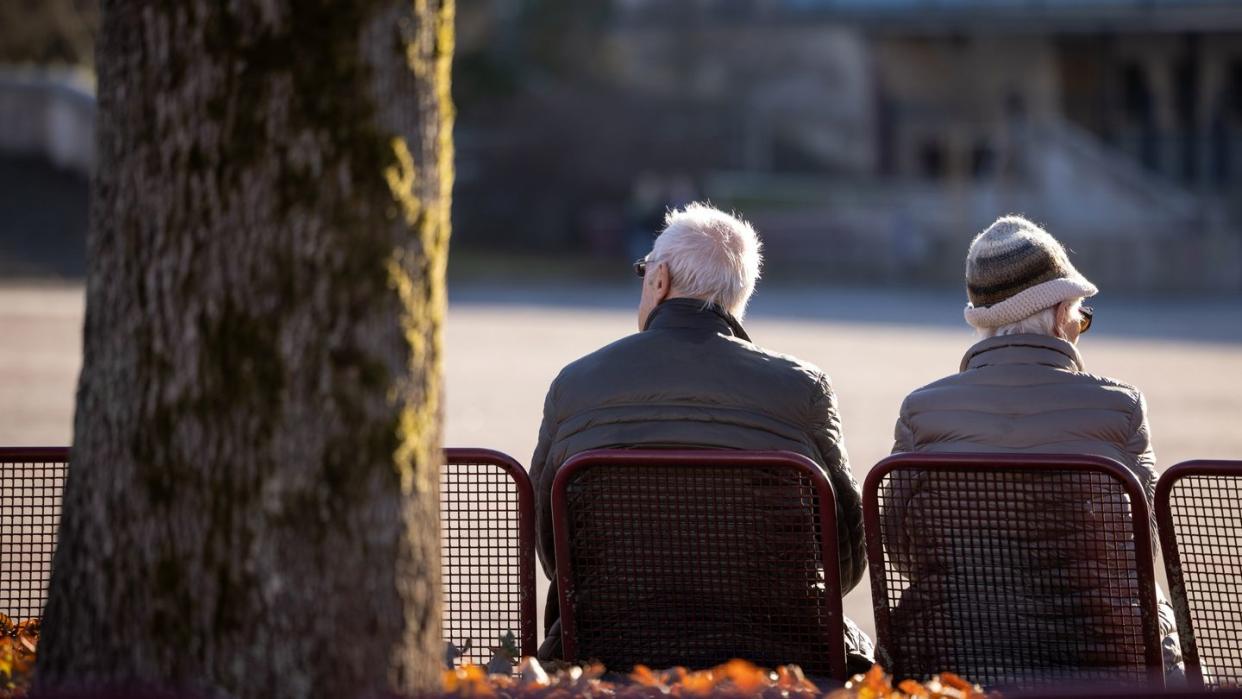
<point x="694" y="314"/>
<point x="1023" y="349"/>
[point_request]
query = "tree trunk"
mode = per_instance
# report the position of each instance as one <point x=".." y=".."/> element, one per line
<point x="251" y="505"/>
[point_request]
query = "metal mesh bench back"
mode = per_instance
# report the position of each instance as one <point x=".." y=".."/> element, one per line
<point x="693" y="558"/>
<point x="1012" y="570"/>
<point x="31" y="483"/>
<point x="1199" y="509"/>
<point x="487" y="558"/>
<point x="487" y="542"/>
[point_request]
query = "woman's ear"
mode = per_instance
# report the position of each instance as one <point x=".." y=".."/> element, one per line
<point x="1061" y="319"/>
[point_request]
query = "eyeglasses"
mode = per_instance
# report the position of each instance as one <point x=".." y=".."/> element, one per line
<point x="640" y="266"/>
<point x="1084" y="323"/>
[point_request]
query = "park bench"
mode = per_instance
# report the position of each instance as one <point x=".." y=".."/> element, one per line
<point x="487" y="545"/>
<point x="668" y="557"/>
<point x="989" y="603"/>
<point x="31" y="482"/>
<point x="487" y="556"/>
<point x="661" y="553"/>
<point x="1199" y="512"/>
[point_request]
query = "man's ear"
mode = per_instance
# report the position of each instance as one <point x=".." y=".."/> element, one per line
<point x="661" y="282"/>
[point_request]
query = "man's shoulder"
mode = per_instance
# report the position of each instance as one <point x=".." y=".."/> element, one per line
<point x="801" y="370"/>
<point x="785" y="370"/>
<point x="606" y="361"/>
<point x="604" y="356"/>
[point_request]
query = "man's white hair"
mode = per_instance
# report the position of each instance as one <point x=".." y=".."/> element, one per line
<point x="1040" y="323"/>
<point x="710" y="255"/>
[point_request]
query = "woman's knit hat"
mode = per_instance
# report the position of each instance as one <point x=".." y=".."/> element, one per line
<point x="1015" y="269"/>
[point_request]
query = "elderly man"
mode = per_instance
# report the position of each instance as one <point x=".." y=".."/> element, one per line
<point x="1022" y="388"/>
<point x="692" y="377"/>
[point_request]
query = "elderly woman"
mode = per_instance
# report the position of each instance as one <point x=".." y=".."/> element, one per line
<point x="1022" y="388"/>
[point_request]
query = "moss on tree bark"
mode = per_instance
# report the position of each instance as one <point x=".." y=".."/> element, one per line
<point x="251" y="505"/>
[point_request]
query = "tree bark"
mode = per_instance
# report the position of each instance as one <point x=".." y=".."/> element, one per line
<point x="251" y="504"/>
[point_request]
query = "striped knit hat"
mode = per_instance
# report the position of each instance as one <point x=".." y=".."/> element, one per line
<point x="1015" y="269"/>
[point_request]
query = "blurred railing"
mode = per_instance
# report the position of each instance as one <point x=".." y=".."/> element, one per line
<point x="1116" y="167"/>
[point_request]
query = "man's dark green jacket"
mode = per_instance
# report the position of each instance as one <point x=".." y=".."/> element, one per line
<point x="692" y="379"/>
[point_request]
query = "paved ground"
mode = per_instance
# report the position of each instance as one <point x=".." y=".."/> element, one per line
<point x="504" y="347"/>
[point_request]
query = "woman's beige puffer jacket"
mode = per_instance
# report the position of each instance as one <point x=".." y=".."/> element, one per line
<point x="1027" y="394"/>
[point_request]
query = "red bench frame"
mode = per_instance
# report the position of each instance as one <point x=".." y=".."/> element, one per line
<point x="525" y="525"/>
<point x="1010" y="462"/>
<point x="1174" y="565"/>
<point x="525" y="530"/>
<point x="698" y="459"/>
<point x="35" y="455"/>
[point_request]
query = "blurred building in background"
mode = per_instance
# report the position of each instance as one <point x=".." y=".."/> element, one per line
<point x="47" y="135"/>
<point x="869" y="140"/>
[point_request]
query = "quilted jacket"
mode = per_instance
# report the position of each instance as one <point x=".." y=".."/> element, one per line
<point x="1019" y="393"/>
<point x="693" y="379"/>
